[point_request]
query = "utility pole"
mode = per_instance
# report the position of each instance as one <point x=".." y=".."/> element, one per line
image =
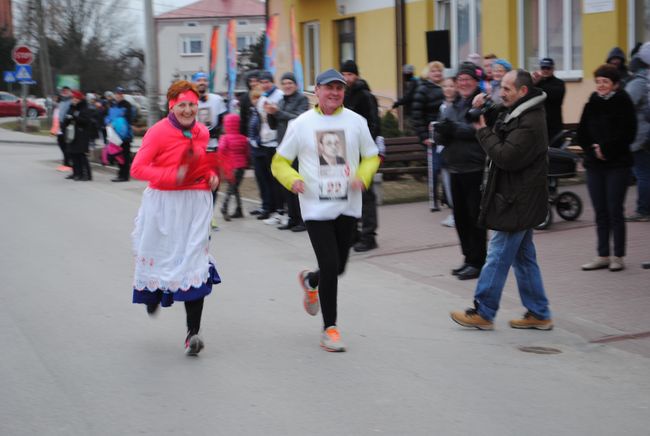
<point x="44" y="59"/>
<point x="151" y="64"/>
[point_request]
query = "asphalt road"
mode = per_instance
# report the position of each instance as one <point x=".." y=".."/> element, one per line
<point x="79" y="359"/>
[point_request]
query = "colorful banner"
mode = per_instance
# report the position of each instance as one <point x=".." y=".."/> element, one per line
<point x="214" y="51"/>
<point x="271" y="43"/>
<point x="295" y="54"/>
<point x="231" y="59"/>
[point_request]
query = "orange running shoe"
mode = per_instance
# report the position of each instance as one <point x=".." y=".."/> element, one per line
<point x="331" y="340"/>
<point x="310" y="301"/>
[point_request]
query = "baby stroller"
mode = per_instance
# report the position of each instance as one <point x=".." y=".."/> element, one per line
<point x="561" y="165"/>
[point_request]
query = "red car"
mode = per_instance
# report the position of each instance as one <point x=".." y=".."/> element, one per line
<point x="10" y="106"/>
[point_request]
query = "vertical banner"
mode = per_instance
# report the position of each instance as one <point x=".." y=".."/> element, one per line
<point x="231" y="60"/>
<point x="214" y="47"/>
<point x="271" y="40"/>
<point x="295" y="53"/>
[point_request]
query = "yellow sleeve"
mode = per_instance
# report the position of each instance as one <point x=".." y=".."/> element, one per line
<point x="283" y="171"/>
<point x="367" y="169"/>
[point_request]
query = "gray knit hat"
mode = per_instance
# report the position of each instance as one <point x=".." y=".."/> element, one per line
<point x="288" y="76"/>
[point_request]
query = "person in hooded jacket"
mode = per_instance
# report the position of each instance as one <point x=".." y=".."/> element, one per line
<point x="233" y="154"/>
<point x="514" y="201"/>
<point x="359" y="99"/>
<point x="607" y="128"/>
<point x="411" y="84"/>
<point x="616" y="57"/>
<point x="78" y="117"/>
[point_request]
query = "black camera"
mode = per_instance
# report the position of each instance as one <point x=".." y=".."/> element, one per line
<point x="474" y="114"/>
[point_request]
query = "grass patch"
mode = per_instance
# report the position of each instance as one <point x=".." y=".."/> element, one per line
<point x="43" y="129"/>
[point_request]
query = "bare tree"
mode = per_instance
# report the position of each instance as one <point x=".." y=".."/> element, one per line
<point x="91" y="38"/>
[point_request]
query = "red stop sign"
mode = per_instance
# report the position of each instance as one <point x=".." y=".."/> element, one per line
<point x="22" y="55"/>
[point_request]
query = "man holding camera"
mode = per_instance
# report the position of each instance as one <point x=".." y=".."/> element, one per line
<point x="514" y="201"/>
<point x="465" y="160"/>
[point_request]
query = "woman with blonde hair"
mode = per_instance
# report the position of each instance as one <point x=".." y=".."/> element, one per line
<point x="172" y="229"/>
<point x="425" y="109"/>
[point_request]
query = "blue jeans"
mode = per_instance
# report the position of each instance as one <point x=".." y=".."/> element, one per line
<point x="514" y="249"/>
<point x="642" y="173"/>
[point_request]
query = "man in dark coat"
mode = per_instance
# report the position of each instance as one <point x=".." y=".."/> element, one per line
<point x="554" y="89"/>
<point x="293" y="103"/>
<point x="410" y="86"/>
<point x="359" y="99"/>
<point x="465" y="160"/>
<point x="514" y="201"/>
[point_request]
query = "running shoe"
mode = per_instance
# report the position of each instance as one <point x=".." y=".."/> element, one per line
<point x="310" y="301"/>
<point x="193" y="345"/>
<point x="331" y="340"/>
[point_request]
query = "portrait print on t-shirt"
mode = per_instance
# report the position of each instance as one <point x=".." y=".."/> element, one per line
<point x="204" y="116"/>
<point x="334" y="171"/>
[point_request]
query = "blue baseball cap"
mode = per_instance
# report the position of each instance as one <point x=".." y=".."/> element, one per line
<point x="330" y="76"/>
<point x="199" y="75"/>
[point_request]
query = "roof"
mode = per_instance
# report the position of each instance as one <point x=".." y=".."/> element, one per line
<point x="216" y="8"/>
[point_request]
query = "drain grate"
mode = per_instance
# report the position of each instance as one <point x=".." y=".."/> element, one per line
<point x="539" y="350"/>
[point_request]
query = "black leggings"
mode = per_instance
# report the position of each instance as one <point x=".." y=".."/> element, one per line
<point x="331" y="241"/>
<point x="194" y="309"/>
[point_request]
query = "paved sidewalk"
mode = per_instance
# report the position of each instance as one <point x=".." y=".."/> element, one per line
<point x="597" y="305"/>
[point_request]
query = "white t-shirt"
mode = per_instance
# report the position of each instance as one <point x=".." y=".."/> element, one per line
<point x="329" y="149"/>
<point x="268" y="136"/>
<point x="208" y="114"/>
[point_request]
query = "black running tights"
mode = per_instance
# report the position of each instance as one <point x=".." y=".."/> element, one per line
<point x="194" y="309"/>
<point x="331" y="241"/>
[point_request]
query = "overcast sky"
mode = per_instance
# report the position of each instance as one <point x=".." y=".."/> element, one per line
<point x="159" y="6"/>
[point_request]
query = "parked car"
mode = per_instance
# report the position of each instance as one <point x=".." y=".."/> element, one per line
<point x="10" y="106"/>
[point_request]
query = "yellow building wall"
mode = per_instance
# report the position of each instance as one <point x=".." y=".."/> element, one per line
<point x="501" y="15"/>
<point x="419" y="18"/>
<point x="375" y="42"/>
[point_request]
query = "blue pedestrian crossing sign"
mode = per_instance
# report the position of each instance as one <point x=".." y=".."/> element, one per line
<point x="9" y="76"/>
<point x="23" y="73"/>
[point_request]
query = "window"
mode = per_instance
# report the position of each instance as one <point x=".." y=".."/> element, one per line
<point x="463" y="20"/>
<point x="242" y="23"/>
<point x="192" y="45"/>
<point x="551" y="28"/>
<point x="191" y="24"/>
<point x="311" y="35"/>
<point x="346" y="35"/>
<point x="639" y="20"/>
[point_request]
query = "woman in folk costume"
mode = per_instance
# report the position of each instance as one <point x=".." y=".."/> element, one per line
<point x="172" y="229"/>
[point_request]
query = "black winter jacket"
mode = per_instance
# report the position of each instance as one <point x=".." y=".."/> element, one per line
<point x="515" y="196"/>
<point x="359" y="99"/>
<point x="462" y="152"/>
<point x="610" y="123"/>
<point x="426" y="107"/>
<point x="288" y="108"/>
<point x="409" y="96"/>
<point x="80" y="117"/>
<point x="554" y="89"/>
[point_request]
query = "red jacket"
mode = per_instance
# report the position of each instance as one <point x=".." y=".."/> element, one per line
<point x="233" y="146"/>
<point x="164" y="149"/>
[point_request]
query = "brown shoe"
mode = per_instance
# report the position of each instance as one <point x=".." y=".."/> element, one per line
<point x="530" y="321"/>
<point x="471" y="318"/>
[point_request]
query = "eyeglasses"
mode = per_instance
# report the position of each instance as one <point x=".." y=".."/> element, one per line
<point x="546" y="68"/>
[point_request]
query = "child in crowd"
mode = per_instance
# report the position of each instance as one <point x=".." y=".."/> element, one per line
<point x="233" y="153"/>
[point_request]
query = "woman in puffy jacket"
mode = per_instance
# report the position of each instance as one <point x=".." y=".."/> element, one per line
<point x="427" y="100"/>
<point x="606" y="130"/>
<point x="172" y="230"/>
